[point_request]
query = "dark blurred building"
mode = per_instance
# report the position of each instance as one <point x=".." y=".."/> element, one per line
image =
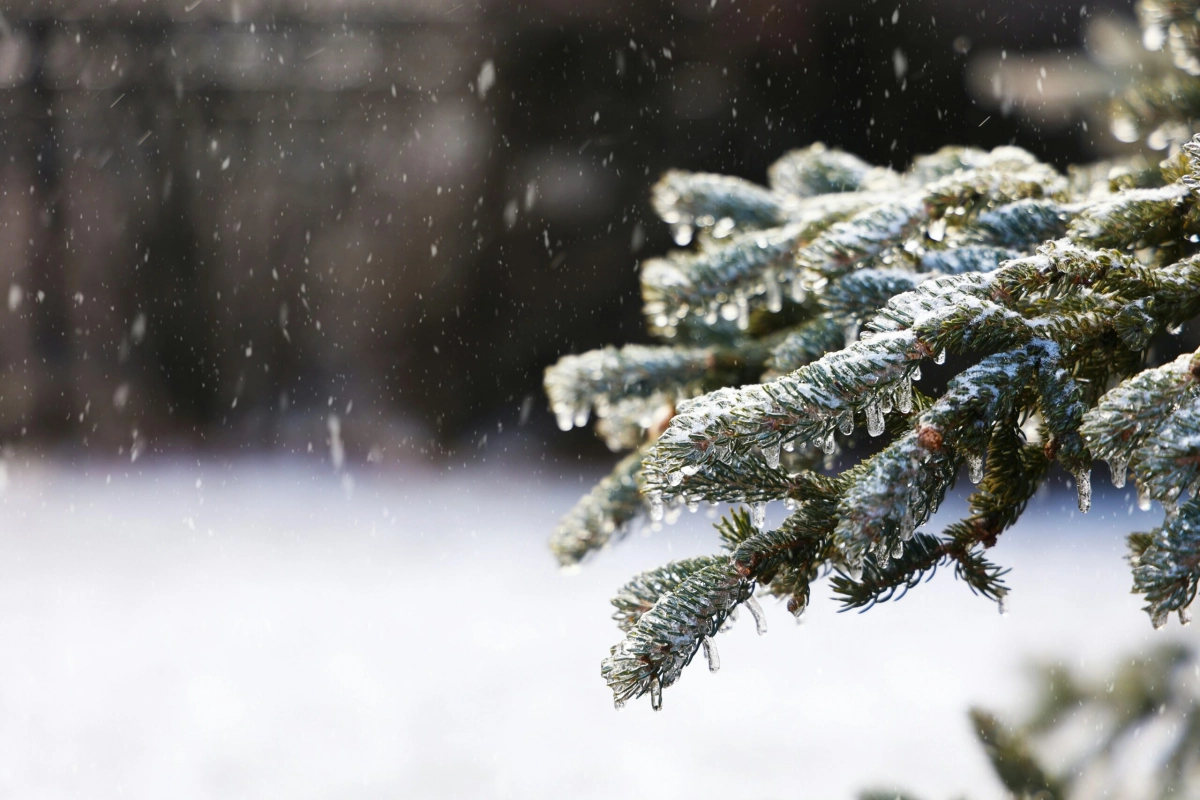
<point x="221" y="219"/>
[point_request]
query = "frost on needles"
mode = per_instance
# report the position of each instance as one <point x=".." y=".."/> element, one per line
<point x="798" y="315"/>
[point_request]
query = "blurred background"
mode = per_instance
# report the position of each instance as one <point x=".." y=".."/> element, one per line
<point x="278" y="282"/>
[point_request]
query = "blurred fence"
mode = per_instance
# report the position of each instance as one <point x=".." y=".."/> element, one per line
<point x="227" y="219"/>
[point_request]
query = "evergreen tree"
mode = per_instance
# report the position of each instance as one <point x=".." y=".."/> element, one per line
<point x="803" y="313"/>
<point x="1096" y="726"/>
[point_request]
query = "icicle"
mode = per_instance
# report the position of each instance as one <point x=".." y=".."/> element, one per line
<point x="581" y="416"/>
<point x="710" y="653"/>
<point x="975" y="467"/>
<point x="743" y="317"/>
<point x="774" y="293"/>
<point x="656" y="506"/>
<point x="1118" y="467"/>
<point x="829" y="445"/>
<point x="675" y="478"/>
<point x="758" y="515"/>
<point x="850" y="331"/>
<point x="855" y="569"/>
<point x="618" y="703"/>
<point x="885" y="403"/>
<point x="1002" y="604"/>
<point x="1159" y="619"/>
<point x="655" y="694"/>
<point x="874" y="418"/>
<point x="760" y="620"/>
<point x="772" y="455"/>
<point x="799" y="293"/>
<point x="566" y="420"/>
<point x="1143" y="497"/>
<point x="1185" y="616"/>
<point x="904" y="396"/>
<point x="916" y="373"/>
<point x="846" y="423"/>
<point x="1083" y="487"/>
<point x="898" y="550"/>
<point x="940" y="358"/>
<point x="790" y="446"/>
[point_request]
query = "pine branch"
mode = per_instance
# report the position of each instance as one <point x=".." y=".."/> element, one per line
<point x="805" y="344"/>
<point x="602" y="515"/>
<point x="1013" y="760"/>
<point x="639" y="595"/>
<point x="817" y="170"/>
<point x="689" y="200"/>
<point x="1166" y="565"/>
<point x="665" y="639"/>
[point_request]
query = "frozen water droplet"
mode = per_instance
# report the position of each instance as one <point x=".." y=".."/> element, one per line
<point x="1175" y="329"/>
<point x="799" y="293"/>
<point x="743" y="318"/>
<point x="975" y="467"/>
<point x="874" y="418"/>
<point x="885" y="403"/>
<point x="904" y="396"/>
<point x="1185" y="616"/>
<point x="581" y="416"/>
<point x="850" y="331"/>
<point x="916" y="373"/>
<point x="566" y="420"/>
<point x="675" y="478"/>
<point x="689" y="470"/>
<point x="1143" y="499"/>
<point x="710" y="653"/>
<point x="618" y="703"/>
<point x="760" y="620"/>
<point x="682" y="234"/>
<point x="1002" y="605"/>
<point x="693" y="505"/>
<point x="855" y="570"/>
<point x="771" y="454"/>
<point x="1118" y="467"/>
<point x="940" y="358"/>
<point x="898" y="550"/>
<point x="774" y="293"/>
<point x="758" y="515"/>
<point x="656" y="507"/>
<point x="846" y="423"/>
<point x="655" y="694"/>
<point x="1159" y="619"/>
<point x="1083" y="488"/>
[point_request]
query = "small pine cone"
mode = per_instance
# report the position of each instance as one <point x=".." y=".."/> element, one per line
<point x="929" y="438"/>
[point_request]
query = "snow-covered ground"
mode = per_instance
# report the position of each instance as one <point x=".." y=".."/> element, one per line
<point x="261" y="629"/>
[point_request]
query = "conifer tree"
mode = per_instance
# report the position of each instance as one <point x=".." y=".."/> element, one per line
<point x="1105" y="725"/>
<point x="798" y="314"/>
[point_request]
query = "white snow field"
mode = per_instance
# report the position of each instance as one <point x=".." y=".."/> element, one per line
<point x="260" y="629"/>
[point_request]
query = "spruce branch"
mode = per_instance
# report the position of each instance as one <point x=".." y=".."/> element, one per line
<point x="1166" y="565"/>
<point x="1013" y="760"/>
<point x="602" y="515"/>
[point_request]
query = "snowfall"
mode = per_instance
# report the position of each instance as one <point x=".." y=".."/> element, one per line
<point x="266" y="628"/>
